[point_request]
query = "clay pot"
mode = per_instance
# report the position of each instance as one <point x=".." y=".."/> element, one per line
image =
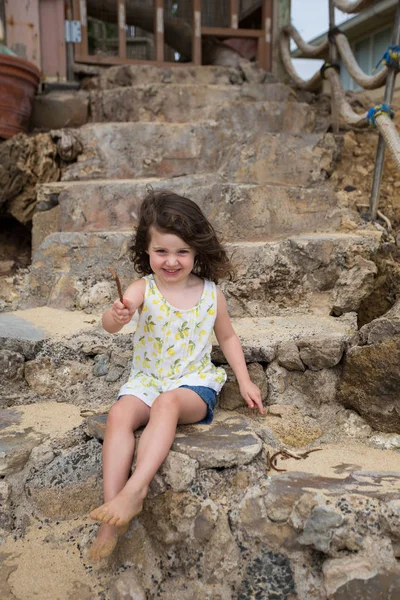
<point x="19" y="80"/>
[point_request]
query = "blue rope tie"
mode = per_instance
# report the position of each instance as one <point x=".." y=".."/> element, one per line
<point x="391" y="58"/>
<point x="379" y="109"/>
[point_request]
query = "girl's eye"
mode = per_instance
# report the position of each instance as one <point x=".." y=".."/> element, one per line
<point x="160" y="251"/>
<point x="183" y="251"/>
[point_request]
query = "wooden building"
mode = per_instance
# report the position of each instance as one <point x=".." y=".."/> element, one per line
<point x="107" y="32"/>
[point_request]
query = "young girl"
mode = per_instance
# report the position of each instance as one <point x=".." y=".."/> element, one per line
<point x="172" y="380"/>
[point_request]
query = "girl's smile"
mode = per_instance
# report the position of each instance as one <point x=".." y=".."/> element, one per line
<point x="171" y="258"/>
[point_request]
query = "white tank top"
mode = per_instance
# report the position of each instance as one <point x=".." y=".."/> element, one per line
<point x="172" y="346"/>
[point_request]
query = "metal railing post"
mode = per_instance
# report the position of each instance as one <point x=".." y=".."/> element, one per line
<point x="380" y="152"/>
<point x="333" y="60"/>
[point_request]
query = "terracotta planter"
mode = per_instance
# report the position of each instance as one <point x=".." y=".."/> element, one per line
<point x="19" y="80"/>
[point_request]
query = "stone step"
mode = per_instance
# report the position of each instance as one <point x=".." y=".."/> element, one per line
<point x="131" y="150"/>
<point x="328" y="272"/>
<point x="137" y="75"/>
<point x="25" y="330"/>
<point x="239" y="212"/>
<point x="191" y="103"/>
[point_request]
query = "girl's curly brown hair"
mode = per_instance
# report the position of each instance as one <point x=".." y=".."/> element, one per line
<point x="171" y="213"/>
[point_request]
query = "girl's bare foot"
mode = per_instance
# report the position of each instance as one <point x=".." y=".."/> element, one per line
<point x="105" y="542"/>
<point x="118" y="511"/>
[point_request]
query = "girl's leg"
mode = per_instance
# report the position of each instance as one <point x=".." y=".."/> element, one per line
<point x="177" y="406"/>
<point x="127" y="415"/>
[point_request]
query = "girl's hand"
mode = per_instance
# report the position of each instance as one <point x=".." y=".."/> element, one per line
<point x="121" y="313"/>
<point x="251" y="395"/>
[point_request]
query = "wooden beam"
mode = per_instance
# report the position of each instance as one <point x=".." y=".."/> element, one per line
<point x="234" y="14"/>
<point x="264" y="50"/>
<point x="159" y="29"/>
<point x="80" y="50"/>
<point x="121" y="29"/>
<point x="116" y="60"/>
<point x="197" y="31"/>
<point x="226" y="32"/>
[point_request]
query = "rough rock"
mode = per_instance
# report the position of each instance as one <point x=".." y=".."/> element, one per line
<point x="321" y="354"/>
<point x="220" y="445"/>
<point x="355" y="426"/>
<point x="178" y="471"/>
<point x="308" y="390"/>
<point x="319" y="528"/>
<point x="291" y="427"/>
<point x="288" y="356"/>
<point x="127" y="587"/>
<point x="15" y="450"/>
<point x="190" y="523"/>
<point x="383" y="586"/>
<point x="44" y="223"/>
<point x="5" y="505"/>
<point x="386" y="441"/>
<point x="361" y="276"/>
<point x="70" y="485"/>
<point x="11" y="365"/>
<point x="230" y="397"/>
<point x="24" y="162"/>
<point x="383" y="328"/>
<point x="370" y="384"/>
<point x="46" y="378"/>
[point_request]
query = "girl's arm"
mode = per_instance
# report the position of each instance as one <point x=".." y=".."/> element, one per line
<point x="232" y="349"/>
<point x="121" y="313"/>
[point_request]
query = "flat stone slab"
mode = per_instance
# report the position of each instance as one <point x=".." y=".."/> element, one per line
<point x="25" y="427"/>
<point x="41" y="323"/>
<point x="267" y="274"/>
<point x="136" y="75"/>
<point x="15" y="451"/>
<point x="239" y="212"/>
<point x="228" y="444"/>
<point x="260" y="337"/>
<point x="375" y="484"/>
<point x="189" y="103"/>
<point x="130" y="150"/>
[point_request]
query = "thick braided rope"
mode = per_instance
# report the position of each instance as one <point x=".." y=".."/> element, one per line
<point x="368" y="82"/>
<point x="388" y="131"/>
<point x="284" y="46"/>
<point x="353" y="7"/>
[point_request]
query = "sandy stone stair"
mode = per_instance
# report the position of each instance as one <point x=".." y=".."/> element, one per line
<point x="323" y="272"/>
<point x="268" y="211"/>
<point x="190" y="103"/>
<point x="242" y="530"/>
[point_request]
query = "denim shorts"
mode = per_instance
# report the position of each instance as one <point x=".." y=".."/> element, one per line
<point x="210" y="398"/>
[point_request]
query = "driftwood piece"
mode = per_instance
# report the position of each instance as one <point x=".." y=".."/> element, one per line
<point x="117" y="281"/>
<point x="285" y="454"/>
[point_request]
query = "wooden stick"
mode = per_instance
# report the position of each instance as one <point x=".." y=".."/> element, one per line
<point x="117" y="281"/>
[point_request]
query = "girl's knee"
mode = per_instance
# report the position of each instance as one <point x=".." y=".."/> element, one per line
<point x="166" y="401"/>
<point x="116" y="415"/>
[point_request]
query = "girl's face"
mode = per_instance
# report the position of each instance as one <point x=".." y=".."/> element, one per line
<point x="171" y="259"/>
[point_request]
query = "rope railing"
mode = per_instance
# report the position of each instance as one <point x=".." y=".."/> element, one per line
<point x="352" y="7"/>
<point x="380" y="116"/>
<point x="368" y="82"/>
<point x="284" y="45"/>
